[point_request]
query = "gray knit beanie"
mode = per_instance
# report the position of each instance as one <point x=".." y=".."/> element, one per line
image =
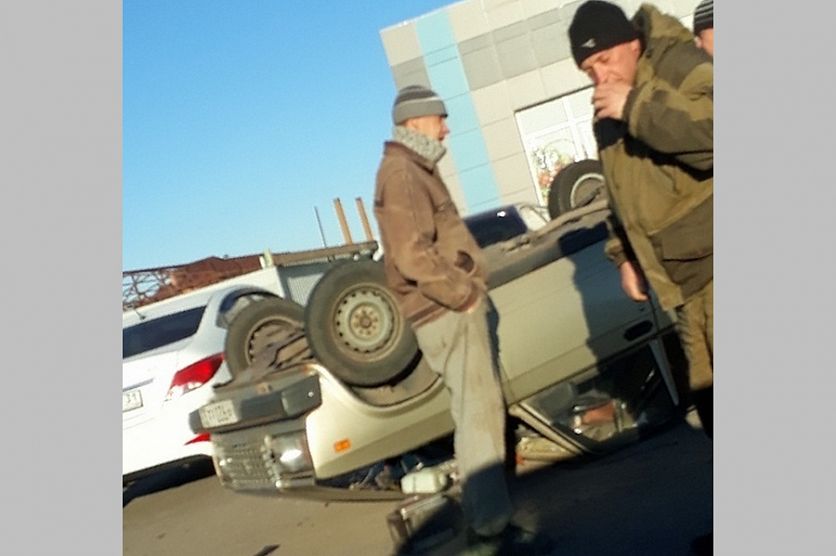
<point x="704" y="16"/>
<point x="415" y="101"/>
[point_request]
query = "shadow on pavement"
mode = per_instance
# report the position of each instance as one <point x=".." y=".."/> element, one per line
<point x="167" y="478"/>
<point x="654" y="497"/>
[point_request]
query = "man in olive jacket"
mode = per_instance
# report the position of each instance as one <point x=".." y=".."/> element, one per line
<point x="436" y="271"/>
<point x="654" y="105"/>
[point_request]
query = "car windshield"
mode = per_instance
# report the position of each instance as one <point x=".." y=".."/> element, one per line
<point x="161" y="331"/>
<point x="494" y="227"/>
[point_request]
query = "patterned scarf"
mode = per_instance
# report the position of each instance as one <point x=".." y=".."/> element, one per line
<point x="427" y="147"/>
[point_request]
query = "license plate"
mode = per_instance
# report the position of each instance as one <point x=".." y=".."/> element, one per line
<point x="218" y="413"/>
<point x="132" y="399"/>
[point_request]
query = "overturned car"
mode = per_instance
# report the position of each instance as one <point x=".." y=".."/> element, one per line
<point x="336" y="402"/>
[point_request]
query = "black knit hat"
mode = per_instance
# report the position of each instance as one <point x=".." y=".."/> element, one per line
<point x="704" y="16"/>
<point x="415" y="101"/>
<point x="597" y="26"/>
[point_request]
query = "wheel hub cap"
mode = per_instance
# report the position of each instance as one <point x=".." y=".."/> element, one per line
<point x="365" y="321"/>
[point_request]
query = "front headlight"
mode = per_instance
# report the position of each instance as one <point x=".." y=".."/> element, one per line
<point x="289" y="452"/>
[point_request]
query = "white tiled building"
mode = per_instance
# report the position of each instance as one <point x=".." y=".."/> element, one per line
<point x="519" y="108"/>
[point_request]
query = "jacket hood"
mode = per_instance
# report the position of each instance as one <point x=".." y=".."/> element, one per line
<point x="659" y="30"/>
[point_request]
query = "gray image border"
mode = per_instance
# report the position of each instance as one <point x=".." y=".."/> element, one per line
<point x="60" y="166"/>
<point x="773" y="443"/>
<point x="61" y="233"/>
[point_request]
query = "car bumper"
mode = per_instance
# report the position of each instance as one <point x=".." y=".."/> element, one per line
<point x="251" y="461"/>
<point x="268" y="459"/>
<point x="258" y="432"/>
<point x="164" y="439"/>
<point x="295" y="431"/>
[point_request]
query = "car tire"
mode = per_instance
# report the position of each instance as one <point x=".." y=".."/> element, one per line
<point x="576" y="185"/>
<point x="256" y="326"/>
<point x="355" y="327"/>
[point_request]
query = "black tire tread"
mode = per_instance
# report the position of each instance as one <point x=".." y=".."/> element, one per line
<point x="239" y="334"/>
<point x="560" y="191"/>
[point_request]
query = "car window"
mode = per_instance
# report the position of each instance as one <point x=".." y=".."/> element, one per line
<point x="161" y="331"/>
<point x="493" y="227"/>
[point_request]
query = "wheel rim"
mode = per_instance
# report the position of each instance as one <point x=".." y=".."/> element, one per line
<point x="365" y="321"/>
<point x="586" y="189"/>
<point x="263" y="334"/>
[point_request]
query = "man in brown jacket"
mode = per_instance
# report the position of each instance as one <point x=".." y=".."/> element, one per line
<point x="654" y="118"/>
<point x="436" y="270"/>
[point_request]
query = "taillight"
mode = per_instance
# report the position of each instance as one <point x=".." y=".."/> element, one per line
<point x="194" y="376"/>
<point x="199" y="438"/>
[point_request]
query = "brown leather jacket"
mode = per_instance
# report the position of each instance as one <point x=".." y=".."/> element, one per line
<point x="431" y="260"/>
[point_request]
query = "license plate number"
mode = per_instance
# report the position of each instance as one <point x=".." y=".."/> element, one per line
<point x="132" y="399"/>
<point x="218" y="414"/>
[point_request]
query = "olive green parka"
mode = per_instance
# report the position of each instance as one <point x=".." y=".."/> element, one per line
<point x="659" y="162"/>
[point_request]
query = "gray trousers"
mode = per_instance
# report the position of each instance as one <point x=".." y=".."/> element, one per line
<point x="458" y="346"/>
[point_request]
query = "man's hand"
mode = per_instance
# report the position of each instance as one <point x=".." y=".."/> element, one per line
<point x="633" y="282"/>
<point x="473" y="306"/>
<point x="472" y="302"/>
<point x="609" y="100"/>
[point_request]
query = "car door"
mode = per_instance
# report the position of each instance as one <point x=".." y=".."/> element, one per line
<point x="565" y="317"/>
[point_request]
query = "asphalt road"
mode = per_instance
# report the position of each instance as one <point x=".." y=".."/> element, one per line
<point x="651" y="498"/>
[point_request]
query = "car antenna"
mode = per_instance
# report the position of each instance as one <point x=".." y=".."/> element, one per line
<point x="141" y="316"/>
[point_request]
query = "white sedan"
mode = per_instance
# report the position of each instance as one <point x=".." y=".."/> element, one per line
<point x="172" y="355"/>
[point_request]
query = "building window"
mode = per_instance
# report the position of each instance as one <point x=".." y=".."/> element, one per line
<point x="556" y="134"/>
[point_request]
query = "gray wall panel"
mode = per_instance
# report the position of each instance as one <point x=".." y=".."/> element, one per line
<point x="516" y="55"/>
<point x="413" y="72"/>
<point x="548" y="38"/>
<point x="481" y="67"/>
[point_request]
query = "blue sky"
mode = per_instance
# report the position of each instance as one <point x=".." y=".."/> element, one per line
<point x="241" y="116"/>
